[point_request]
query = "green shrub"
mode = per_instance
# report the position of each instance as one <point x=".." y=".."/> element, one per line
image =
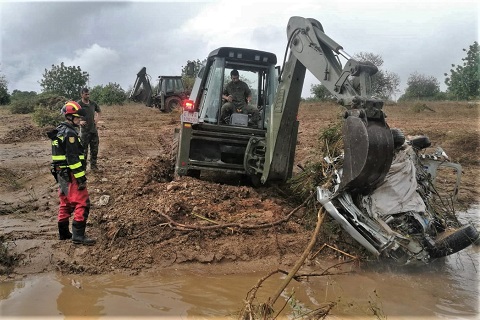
<point x="5" y="98"/>
<point x="111" y="94"/>
<point x="22" y="106"/>
<point x="50" y="101"/>
<point x="47" y="110"/>
<point x="22" y="95"/>
<point x="43" y="117"/>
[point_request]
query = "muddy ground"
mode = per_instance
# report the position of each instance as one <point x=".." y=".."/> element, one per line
<point x="134" y="192"/>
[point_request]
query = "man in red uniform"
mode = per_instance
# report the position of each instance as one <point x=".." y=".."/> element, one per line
<point x="68" y="168"/>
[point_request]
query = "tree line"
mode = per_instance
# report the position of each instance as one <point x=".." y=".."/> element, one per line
<point x="463" y="83"/>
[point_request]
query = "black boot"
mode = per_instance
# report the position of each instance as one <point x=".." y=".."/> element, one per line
<point x="78" y="228"/>
<point x="63" y="232"/>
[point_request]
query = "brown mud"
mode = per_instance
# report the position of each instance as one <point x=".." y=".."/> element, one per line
<point x="134" y="195"/>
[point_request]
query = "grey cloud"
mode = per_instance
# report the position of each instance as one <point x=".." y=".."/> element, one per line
<point x="113" y="40"/>
<point x="37" y="35"/>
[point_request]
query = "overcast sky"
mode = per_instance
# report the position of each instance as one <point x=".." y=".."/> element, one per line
<point x="112" y="41"/>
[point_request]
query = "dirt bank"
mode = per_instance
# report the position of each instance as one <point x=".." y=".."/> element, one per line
<point x="134" y="193"/>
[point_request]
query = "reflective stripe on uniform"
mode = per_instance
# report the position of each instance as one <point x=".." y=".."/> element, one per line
<point x="75" y="166"/>
<point x="59" y="157"/>
<point x="79" y="174"/>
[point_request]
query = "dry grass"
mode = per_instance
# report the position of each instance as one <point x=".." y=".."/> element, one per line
<point x="454" y="126"/>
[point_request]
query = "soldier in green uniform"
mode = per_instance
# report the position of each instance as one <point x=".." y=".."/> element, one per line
<point x="88" y="129"/>
<point x="238" y="95"/>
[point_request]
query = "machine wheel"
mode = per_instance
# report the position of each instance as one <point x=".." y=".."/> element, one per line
<point x="194" y="173"/>
<point x="256" y="180"/>
<point x="172" y="103"/>
<point x="452" y="241"/>
<point x="174" y="147"/>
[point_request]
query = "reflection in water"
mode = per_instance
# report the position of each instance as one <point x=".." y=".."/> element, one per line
<point x="8" y="288"/>
<point x="79" y="298"/>
<point x="447" y="288"/>
<point x="33" y="296"/>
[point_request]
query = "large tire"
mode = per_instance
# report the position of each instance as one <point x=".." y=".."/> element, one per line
<point x="194" y="173"/>
<point x="256" y="180"/>
<point x="452" y="241"/>
<point x="174" y="150"/>
<point x="172" y="103"/>
<point x="174" y="147"/>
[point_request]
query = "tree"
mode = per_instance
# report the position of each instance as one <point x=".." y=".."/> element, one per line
<point x="320" y="92"/>
<point x="22" y="95"/>
<point x="384" y="84"/>
<point x="64" y="80"/>
<point x="4" y="96"/>
<point x="464" y="81"/>
<point x="111" y="94"/>
<point x="189" y="77"/>
<point x="421" y="87"/>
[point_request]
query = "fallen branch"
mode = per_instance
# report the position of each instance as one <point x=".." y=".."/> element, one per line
<point x="207" y="219"/>
<point x="325" y="272"/>
<point x="148" y="230"/>
<point x="336" y="249"/>
<point x="248" y="310"/>
<point x="301" y="260"/>
<point x="267" y="308"/>
<point x="184" y="227"/>
<point x="115" y="235"/>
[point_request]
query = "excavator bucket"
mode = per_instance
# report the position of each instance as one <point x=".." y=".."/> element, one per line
<point x="368" y="153"/>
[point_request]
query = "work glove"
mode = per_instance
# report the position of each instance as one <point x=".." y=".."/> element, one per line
<point x="82" y="185"/>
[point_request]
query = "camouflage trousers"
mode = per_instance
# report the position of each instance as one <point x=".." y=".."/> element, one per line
<point x="229" y="107"/>
<point x="90" y="141"/>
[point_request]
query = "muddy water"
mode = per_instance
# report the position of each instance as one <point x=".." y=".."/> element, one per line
<point x="447" y="289"/>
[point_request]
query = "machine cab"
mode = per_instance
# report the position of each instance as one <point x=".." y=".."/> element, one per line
<point x="256" y="69"/>
<point x="170" y="85"/>
<point x="205" y="142"/>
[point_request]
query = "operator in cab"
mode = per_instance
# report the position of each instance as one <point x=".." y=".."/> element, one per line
<point x="237" y="95"/>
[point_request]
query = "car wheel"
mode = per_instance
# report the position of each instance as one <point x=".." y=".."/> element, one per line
<point x="451" y="241"/>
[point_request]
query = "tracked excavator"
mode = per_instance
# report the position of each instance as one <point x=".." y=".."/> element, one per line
<point x="367" y="197"/>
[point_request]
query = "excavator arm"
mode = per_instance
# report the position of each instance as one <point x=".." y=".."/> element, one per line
<point x="368" y="142"/>
<point x="142" y="89"/>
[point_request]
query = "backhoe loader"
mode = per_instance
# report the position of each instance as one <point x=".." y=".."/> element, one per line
<point x="264" y="150"/>
<point x="169" y="94"/>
